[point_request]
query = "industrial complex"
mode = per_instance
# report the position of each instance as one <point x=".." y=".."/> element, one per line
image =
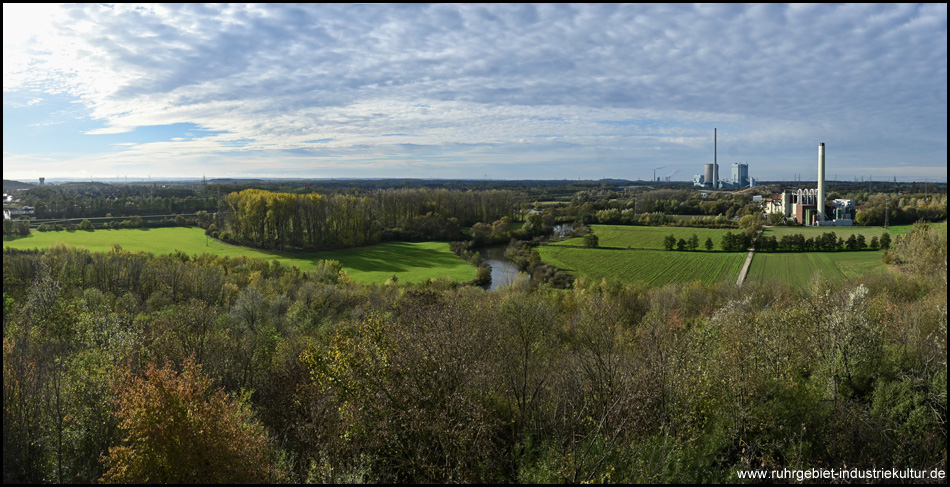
<point x="806" y="206"/>
<point x="809" y="206"/>
<point x="710" y="177"/>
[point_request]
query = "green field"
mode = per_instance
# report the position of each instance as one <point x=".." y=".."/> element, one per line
<point x="799" y="268"/>
<point x="409" y="261"/>
<point x="655" y="267"/>
<point x="843" y="232"/>
<point x="637" y="237"/>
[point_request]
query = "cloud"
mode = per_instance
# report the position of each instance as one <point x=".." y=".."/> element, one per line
<point x="283" y="77"/>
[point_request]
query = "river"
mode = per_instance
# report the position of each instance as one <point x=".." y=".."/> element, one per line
<point x="503" y="272"/>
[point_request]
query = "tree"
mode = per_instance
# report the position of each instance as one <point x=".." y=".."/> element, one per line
<point x="851" y="243"/>
<point x="709" y="243"/>
<point x="533" y="224"/>
<point x="693" y="243"/>
<point x="885" y="241"/>
<point x="669" y="242"/>
<point x="180" y="431"/>
<point x="591" y="240"/>
<point x="750" y="224"/>
<point x="776" y="219"/>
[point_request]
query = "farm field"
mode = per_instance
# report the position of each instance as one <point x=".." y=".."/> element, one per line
<point x="409" y="261"/>
<point x="843" y="232"/>
<point x="798" y="268"/>
<point x="655" y="267"/>
<point x="639" y="237"/>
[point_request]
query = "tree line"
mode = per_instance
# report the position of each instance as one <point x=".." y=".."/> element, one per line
<point x="101" y="200"/>
<point x="826" y="242"/>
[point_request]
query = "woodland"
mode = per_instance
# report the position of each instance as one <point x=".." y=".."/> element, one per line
<point x="122" y="367"/>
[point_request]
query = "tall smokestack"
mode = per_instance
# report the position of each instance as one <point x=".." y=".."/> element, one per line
<point x="821" y="181"/>
<point x="715" y="162"/>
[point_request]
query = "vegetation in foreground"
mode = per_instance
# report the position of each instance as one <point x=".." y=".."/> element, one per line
<point x="125" y="367"/>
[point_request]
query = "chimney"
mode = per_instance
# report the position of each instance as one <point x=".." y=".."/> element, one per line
<point x="715" y="163"/>
<point x="821" y="182"/>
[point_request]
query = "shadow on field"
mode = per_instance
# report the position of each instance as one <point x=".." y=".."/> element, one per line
<point x="392" y="257"/>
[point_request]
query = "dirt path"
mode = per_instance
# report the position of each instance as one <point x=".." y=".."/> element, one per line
<point x="745" y="267"/>
<point x="748" y="261"/>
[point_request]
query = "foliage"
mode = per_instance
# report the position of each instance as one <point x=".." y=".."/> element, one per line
<point x="179" y="430"/>
<point x="732" y="242"/>
<point x="924" y="250"/>
<point x="608" y="381"/>
<point x="16" y="227"/>
<point x="312" y="221"/>
<point x="591" y="241"/>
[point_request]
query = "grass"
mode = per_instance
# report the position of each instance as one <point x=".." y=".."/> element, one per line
<point x="799" y="268"/>
<point x="639" y="237"/>
<point x="409" y="261"/>
<point x="655" y="267"/>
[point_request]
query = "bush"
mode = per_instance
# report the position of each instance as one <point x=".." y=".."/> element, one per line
<point x="180" y="431"/>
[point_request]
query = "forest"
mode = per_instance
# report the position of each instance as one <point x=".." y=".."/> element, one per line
<point x="125" y="367"/>
<point x="267" y="219"/>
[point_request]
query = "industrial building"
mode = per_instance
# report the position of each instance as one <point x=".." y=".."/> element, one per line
<point x="710" y="176"/>
<point x="809" y="206"/>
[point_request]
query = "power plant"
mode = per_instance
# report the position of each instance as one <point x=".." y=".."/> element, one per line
<point x="809" y="206"/>
<point x="710" y="177"/>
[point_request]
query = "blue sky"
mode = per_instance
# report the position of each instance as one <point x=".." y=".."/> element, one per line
<point x="472" y="91"/>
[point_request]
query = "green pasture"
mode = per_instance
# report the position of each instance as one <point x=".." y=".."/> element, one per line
<point x="843" y="232"/>
<point x="799" y="268"/>
<point x="639" y="237"/>
<point x="655" y="267"/>
<point x="408" y="261"/>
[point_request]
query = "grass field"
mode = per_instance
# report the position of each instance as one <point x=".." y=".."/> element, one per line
<point x="409" y="261"/>
<point x="656" y="267"/>
<point x="799" y="268"/>
<point x="637" y="237"/>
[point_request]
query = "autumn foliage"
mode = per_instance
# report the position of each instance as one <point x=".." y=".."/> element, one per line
<point x="181" y="431"/>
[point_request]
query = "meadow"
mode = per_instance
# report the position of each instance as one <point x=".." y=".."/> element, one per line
<point x="655" y="267"/>
<point x="798" y="269"/>
<point x="409" y="261"/>
<point x="640" y="237"/>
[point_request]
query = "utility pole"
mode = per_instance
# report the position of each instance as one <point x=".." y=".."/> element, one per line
<point x="887" y="212"/>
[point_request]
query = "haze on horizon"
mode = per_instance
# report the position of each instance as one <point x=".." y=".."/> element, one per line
<point x="508" y="91"/>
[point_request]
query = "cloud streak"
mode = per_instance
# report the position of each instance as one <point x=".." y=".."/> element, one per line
<point x="475" y="85"/>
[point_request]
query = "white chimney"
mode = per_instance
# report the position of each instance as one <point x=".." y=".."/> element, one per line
<point x="821" y="181"/>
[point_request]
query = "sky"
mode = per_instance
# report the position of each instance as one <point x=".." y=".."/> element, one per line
<point x="509" y="91"/>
